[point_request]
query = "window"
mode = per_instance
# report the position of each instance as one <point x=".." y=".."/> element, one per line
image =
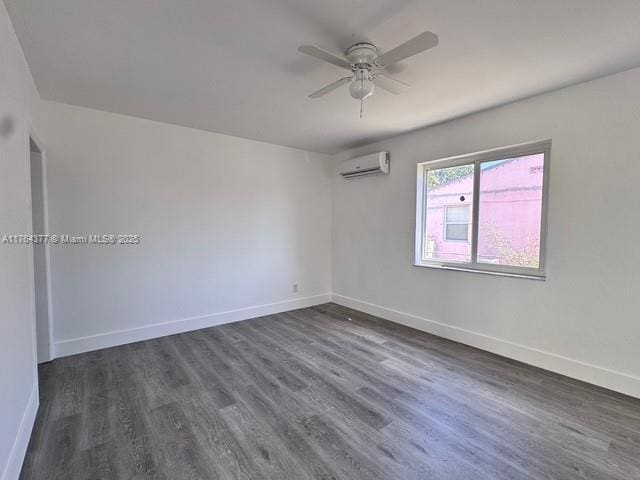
<point x="484" y="211"/>
<point x="457" y="220"/>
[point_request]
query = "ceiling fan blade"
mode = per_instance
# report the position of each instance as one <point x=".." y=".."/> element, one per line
<point x="422" y="42"/>
<point x="390" y="84"/>
<point x="393" y="80"/>
<point x="323" y="55"/>
<point x="330" y="87"/>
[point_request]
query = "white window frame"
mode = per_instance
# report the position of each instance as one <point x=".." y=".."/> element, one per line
<point x="540" y="147"/>
<point x="446" y="223"/>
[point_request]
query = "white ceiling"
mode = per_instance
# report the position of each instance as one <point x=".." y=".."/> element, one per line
<point x="232" y="67"/>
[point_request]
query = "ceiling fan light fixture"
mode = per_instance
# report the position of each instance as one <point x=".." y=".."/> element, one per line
<point x="361" y="86"/>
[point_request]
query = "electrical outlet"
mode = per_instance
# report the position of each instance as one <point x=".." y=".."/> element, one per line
<point x="294" y="288"/>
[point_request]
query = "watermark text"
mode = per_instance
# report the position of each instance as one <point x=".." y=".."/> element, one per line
<point x="63" y="239"/>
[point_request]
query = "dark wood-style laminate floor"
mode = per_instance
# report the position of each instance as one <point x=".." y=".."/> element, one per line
<point x="323" y="393"/>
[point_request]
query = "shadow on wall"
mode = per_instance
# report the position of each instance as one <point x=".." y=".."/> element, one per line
<point x="7" y="126"/>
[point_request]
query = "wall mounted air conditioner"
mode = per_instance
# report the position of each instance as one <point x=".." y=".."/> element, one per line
<point x="374" y="164"/>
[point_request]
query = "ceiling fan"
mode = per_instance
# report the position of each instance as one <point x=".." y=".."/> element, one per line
<point x="367" y="66"/>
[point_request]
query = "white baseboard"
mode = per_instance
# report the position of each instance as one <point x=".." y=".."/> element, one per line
<point x="111" y="339"/>
<point x="604" y="377"/>
<point x="19" y="449"/>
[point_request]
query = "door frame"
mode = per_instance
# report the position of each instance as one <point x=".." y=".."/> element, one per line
<point x="32" y="136"/>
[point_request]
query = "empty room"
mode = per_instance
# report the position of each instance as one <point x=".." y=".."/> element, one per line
<point x="320" y="239"/>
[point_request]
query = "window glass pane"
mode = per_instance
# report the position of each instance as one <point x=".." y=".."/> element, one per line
<point x="510" y="211"/>
<point x="447" y="228"/>
<point x="458" y="214"/>
<point x="457" y="232"/>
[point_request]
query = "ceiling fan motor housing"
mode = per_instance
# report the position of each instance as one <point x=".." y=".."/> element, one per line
<point x="362" y="54"/>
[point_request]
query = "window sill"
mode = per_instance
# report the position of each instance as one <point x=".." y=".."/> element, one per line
<point x="453" y="268"/>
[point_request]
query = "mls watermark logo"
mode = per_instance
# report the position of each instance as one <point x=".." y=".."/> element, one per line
<point x="65" y="239"/>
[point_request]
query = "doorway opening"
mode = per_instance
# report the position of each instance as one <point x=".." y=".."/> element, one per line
<point x="41" y="274"/>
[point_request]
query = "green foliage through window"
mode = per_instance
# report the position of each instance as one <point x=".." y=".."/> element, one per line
<point x="443" y="176"/>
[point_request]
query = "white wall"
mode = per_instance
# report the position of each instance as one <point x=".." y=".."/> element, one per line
<point x="18" y="386"/>
<point x="227" y="225"/>
<point x="583" y="321"/>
